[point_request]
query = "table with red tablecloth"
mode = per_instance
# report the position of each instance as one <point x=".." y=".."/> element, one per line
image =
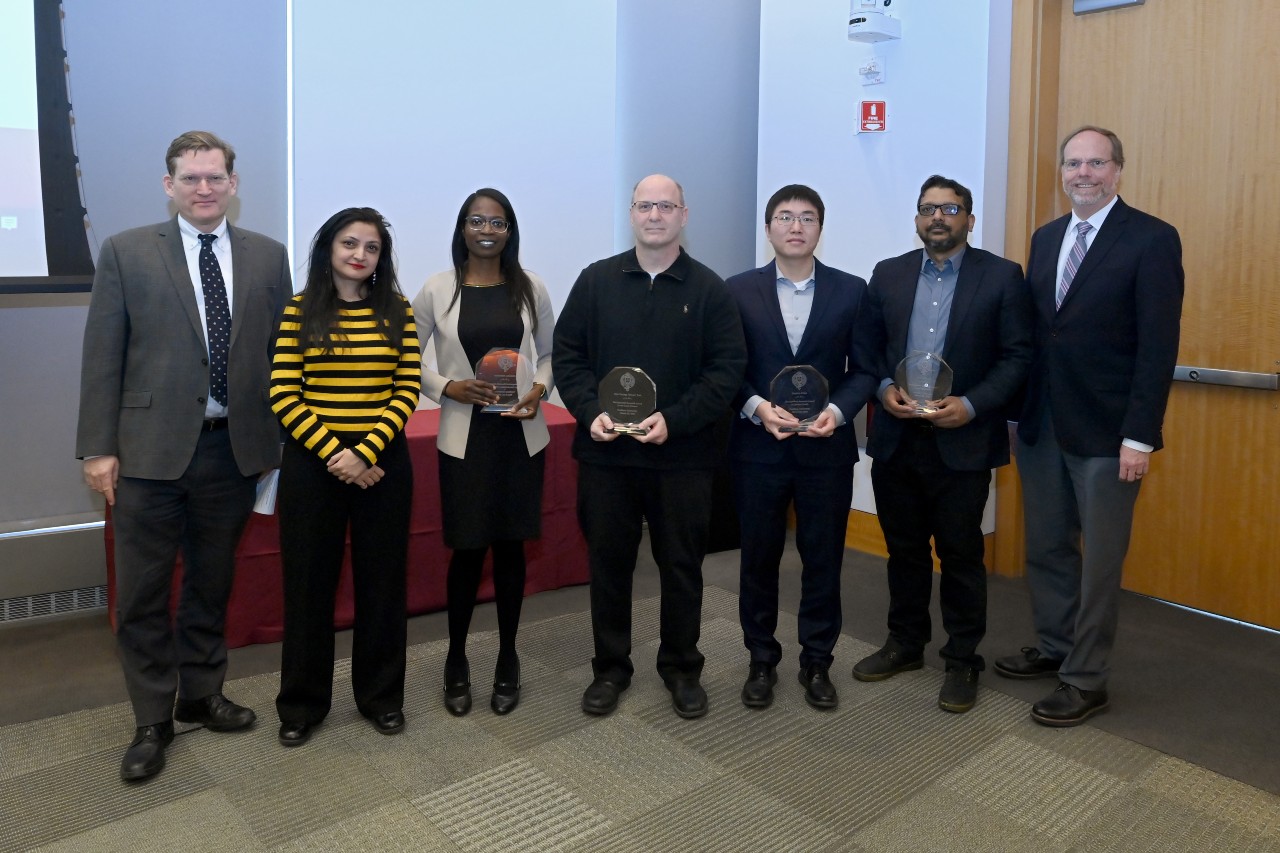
<point x="255" y="613"/>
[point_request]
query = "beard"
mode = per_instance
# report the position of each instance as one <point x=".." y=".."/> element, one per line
<point x="938" y="241"/>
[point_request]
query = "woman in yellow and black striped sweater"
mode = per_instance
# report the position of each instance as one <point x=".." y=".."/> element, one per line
<point x="345" y="378"/>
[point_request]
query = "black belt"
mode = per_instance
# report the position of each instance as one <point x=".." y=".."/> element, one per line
<point x="919" y="424"/>
<point x="212" y="424"/>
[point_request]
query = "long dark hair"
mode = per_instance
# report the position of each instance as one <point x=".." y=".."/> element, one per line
<point x="320" y="302"/>
<point x="508" y="262"/>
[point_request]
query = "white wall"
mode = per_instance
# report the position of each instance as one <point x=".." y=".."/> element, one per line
<point x="944" y="116"/>
<point x="450" y="98"/>
<point x="687" y="106"/>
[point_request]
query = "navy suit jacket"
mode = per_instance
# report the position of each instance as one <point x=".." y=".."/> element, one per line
<point x="988" y="346"/>
<point x="829" y="343"/>
<point x="1104" y="362"/>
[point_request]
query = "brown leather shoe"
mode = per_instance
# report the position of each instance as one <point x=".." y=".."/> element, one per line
<point x="1068" y="705"/>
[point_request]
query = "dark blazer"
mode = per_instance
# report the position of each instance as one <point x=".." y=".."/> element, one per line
<point x="829" y="344"/>
<point x="1104" y="362"/>
<point x="988" y="346"/>
<point x="145" y="372"/>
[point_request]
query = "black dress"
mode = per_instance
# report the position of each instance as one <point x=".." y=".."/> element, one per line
<point x="496" y="491"/>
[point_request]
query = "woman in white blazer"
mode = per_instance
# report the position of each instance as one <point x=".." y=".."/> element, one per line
<point x="491" y="464"/>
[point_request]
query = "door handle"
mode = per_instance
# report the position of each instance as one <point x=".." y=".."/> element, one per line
<point x="1234" y="378"/>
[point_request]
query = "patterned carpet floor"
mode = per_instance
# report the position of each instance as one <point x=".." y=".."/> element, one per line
<point x="885" y="771"/>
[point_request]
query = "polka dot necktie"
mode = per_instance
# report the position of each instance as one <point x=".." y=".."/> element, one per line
<point x="217" y="317"/>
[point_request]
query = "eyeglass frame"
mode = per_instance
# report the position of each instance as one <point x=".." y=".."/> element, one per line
<point x="194" y="181"/>
<point x="920" y="209"/>
<point x="807" y="220"/>
<point x="666" y="208"/>
<point x="1074" y="165"/>
<point x="475" y="222"/>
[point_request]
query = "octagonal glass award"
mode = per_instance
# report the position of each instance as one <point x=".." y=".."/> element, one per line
<point x="925" y="378"/>
<point x="628" y="396"/>
<point x="507" y="372"/>
<point x="802" y="390"/>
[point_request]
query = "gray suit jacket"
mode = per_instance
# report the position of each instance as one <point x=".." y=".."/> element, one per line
<point x="145" y="372"/>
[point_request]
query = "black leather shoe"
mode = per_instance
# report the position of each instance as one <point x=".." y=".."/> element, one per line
<point x="457" y="689"/>
<point x="216" y="713"/>
<point x="758" y="691"/>
<point x="145" y="756"/>
<point x="601" y="697"/>
<point x="1027" y="664"/>
<point x="959" y="689"/>
<point x="688" y="698"/>
<point x="887" y="662"/>
<point x="389" y="723"/>
<point x="1068" y="705"/>
<point x="819" y="692"/>
<point x="506" y="693"/>
<point x="294" y="734"/>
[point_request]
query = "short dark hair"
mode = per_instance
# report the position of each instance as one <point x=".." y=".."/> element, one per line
<point x="800" y="191"/>
<point x="198" y="140"/>
<point x="939" y="182"/>
<point x="1117" y="149"/>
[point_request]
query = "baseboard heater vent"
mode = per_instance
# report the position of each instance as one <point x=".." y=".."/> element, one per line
<point x="53" y="603"/>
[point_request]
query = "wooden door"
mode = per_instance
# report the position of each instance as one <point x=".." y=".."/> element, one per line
<point x="1191" y="89"/>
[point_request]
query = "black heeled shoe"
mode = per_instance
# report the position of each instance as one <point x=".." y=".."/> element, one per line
<point x="506" y="693"/>
<point x="457" y="690"/>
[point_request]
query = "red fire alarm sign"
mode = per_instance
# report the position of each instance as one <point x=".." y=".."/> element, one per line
<point x="872" y="119"/>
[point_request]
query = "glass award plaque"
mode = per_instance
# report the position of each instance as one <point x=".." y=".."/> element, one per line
<point x="507" y="372"/>
<point x="802" y="390"/>
<point x="628" y="396"/>
<point x="925" y="378"/>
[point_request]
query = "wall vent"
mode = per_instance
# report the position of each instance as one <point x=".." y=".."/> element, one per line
<point x="52" y="603"/>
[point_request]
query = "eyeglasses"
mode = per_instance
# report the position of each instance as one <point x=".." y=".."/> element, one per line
<point x="947" y="209"/>
<point x="1095" y="163"/>
<point x="807" y="220"/>
<point x="664" y="207"/>
<point x="477" y="223"/>
<point x="193" y="181"/>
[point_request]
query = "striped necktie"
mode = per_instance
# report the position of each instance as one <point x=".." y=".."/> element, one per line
<point x="1073" y="261"/>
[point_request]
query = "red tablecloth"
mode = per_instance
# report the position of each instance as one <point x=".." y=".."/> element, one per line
<point x="256" y="613"/>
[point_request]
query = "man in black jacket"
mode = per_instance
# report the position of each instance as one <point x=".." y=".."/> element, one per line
<point x="657" y="309"/>
<point x="932" y="470"/>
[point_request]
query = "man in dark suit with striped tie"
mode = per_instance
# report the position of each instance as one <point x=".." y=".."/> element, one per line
<point x="1107" y="284"/>
<point x="175" y="429"/>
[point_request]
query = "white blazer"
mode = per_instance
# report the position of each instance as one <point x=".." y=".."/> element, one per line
<point x="436" y="319"/>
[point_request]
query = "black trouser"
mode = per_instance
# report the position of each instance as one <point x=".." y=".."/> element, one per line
<point x="677" y="504"/>
<point x="918" y="497"/>
<point x="315" y="508"/>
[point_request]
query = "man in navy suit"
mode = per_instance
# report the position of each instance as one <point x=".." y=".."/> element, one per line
<point x="1107" y="285"/>
<point x="795" y="311"/>
<point x="932" y="469"/>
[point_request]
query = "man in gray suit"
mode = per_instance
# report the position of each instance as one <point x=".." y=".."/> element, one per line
<point x="174" y="431"/>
